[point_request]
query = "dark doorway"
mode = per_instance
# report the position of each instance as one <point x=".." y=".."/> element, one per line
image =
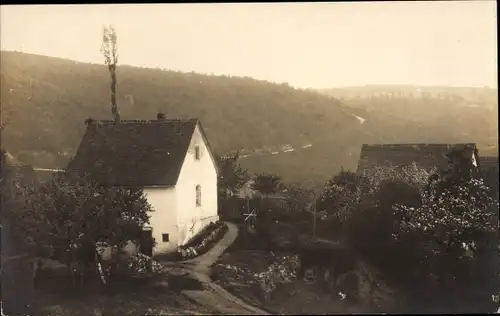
<point x="146" y="246"/>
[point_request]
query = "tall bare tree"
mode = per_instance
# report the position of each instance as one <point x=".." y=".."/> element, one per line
<point x="110" y="51"/>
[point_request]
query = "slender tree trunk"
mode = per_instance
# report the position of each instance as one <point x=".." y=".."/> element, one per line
<point x="114" y="106"/>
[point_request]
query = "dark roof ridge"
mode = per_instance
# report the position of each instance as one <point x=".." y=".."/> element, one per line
<point x="109" y="122"/>
<point x="417" y="144"/>
<point x="426" y="155"/>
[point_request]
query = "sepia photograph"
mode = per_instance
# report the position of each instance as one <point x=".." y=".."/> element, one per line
<point x="249" y="158"/>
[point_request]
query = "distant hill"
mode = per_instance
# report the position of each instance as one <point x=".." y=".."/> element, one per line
<point x="45" y="101"/>
<point x="420" y="113"/>
<point x="466" y="96"/>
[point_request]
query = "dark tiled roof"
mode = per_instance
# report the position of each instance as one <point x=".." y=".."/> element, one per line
<point x="489" y="170"/>
<point x="488" y="162"/>
<point x="134" y="153"/>
<point x="426" y="156"/>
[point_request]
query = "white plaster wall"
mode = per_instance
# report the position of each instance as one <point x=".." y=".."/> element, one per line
<point x="164" y="217"/>
<point x="191" y="218"/>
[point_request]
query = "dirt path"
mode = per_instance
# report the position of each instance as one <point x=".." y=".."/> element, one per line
<point x="212" y="296"/>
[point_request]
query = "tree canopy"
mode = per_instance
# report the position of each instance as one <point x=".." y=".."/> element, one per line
<point x="70" y="215"/>
<point x="232" y="176"/>
<point x="266" y="183"/>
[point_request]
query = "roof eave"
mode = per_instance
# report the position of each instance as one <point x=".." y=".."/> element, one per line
<point x="209" y="147"/>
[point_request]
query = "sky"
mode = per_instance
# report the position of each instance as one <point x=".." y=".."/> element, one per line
<point x="308" y="45"/>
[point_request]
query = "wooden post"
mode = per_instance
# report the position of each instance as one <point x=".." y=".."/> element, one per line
<point x="99" y="267"/>
<point x="248" y="204"/>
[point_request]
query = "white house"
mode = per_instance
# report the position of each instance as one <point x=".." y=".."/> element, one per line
<point x="170" y="159"/>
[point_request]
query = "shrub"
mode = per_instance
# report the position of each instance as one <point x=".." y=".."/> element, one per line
<point x="284" y="270"/>
<point x="201" y="243"/>
<point x="140" y="263"/>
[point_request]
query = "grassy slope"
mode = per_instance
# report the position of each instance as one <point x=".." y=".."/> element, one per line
<point x="45" y="101"/>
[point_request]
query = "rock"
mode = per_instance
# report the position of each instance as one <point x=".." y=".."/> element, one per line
<point x="183" y="253"/>
<point x="348" y="283"/>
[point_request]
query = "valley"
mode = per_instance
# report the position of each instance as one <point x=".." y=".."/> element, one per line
<point x="303" y="135"/>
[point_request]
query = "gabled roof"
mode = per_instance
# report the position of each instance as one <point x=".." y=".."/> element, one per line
<point x="426" y="156"/>
<point x="135" y="153"/>
<point x="487" y="162"/>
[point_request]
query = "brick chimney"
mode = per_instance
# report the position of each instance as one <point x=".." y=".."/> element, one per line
<point x="161" y="116"/>
<point x="89" y="121"/>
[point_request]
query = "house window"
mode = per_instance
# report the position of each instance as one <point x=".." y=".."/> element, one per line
<point x="197" y="152"/>
<point x="198" y="195"/>
<point x="164" y="237"/>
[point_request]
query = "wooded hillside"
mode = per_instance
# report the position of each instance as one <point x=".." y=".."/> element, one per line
<point x="45" y="101"/>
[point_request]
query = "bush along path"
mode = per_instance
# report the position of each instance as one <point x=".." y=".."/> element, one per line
<point x="203" y="242"/>
<point x="212" y="295"/>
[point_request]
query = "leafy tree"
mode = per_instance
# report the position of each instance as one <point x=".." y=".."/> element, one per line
<point x="110" y="51"/>
<point x="452" y="220"/>
<point x="16" y="184"/>
<point x="299" y="196"/>
<point x="364" y="211"/>
<point x="232" y="176"/>
<point x="340" y="196"/>
<point x="346" y="179"/>
<point x="266" y="184"/>
<point x="453" y="228"/>
<point x="338" y="201"/>
<point x="71" y="215"/>
<point x="450" y="215"/>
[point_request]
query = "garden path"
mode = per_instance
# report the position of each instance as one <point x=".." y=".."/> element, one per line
<point x="212" y="296"/>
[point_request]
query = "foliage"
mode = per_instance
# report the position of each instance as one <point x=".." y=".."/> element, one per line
<point x="283" y="270"/>
<point x="203" y="241"/>
<point x="341" y="196"/>
<point x="266" y="183"/>
<point x="449" y="215"/>
<point x="431" y="231"/>
<point x="362" y="205"/>
<point x="455" y="223"/>
<point x="140" y="263"/>
<point x="452" y="231"/>
<point x="299" y="196"/>
<point x="232" y="176"/>
<point x="346" y="179"/>
<point x="338" y="201"/>
<point x="68" y="216"/>
<point x="16" y="185"/>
